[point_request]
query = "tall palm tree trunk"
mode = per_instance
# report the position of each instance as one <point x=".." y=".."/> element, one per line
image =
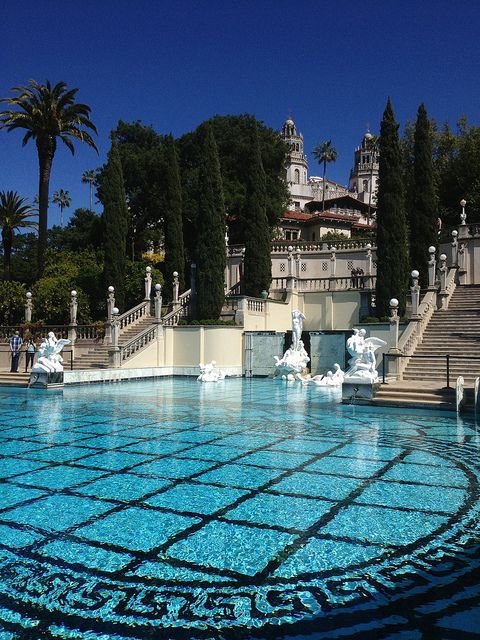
<point x="45" y="158"/>
<point x="323" y="183"/>
<point x="7" y="240"/>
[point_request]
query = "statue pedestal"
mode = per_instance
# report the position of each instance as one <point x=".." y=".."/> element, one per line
<point x="44" y="380"/>
<point x="358" y="388"/>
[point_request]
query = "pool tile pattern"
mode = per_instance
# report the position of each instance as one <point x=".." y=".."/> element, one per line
<point x="249" y="508"/>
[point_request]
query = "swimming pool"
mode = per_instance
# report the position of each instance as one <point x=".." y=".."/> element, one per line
<point x="246" y="508"/>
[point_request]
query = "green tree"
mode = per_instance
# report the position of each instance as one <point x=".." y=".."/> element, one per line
<point x="233" y="138"/>
<point x="15" y="213"/>
<point x="47" y="112"/>
<point x="210" y="234"/>
<point x="90" y="177"/>
<point x="392" y="251"/>
<point x="324" y="153"/>
<point x="141" y="152"/>
<point x="84" y="230"/>
<point x="423" y="211"/>
<point x="172" y="214"/>
<point x="115" y="223"/>
<point x="257" y="263"/>
<point x="12" y="302"/>
<point x="63" y="199"/>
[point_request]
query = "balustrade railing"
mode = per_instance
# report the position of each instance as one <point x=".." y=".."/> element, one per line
<point x="304" y="246"/>
<point x="134" y="315"/>
<point x="137" y="343"/>
<point x="413" y="334"/>
<point x="335" y="283"/>
<point x="182" y="310"/>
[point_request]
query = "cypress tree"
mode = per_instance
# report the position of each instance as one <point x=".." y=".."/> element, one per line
<point x="210" y="249"/>
<point x="115" y="221"/>
<point x="258" y="263"/>
<point x="423" y="213"/>
<point x="173" y="227"/>
<point x="392" y="249"/>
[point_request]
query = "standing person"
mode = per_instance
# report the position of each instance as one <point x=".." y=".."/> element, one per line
<point x="15" y="346"/>
<point x="30" y="354"/>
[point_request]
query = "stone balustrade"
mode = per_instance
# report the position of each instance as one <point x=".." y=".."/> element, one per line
<point x="136" y="344"/>
<point x="134" y="315"/>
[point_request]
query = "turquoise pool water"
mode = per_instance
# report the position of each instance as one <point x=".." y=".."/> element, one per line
<point x="254" y="509"/>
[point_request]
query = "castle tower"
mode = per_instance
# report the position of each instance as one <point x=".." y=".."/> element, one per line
<point x="364" y="175"/>
<point x="297" y="166"/>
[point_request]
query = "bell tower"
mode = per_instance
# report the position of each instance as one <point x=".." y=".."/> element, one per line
<point x="297" y="165"/>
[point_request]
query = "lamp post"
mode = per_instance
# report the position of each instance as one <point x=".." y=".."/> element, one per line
<point x="175" y="287"/>
<point x="431" y="268"/>
<point x="368" y="264"/>
<point x="148" y="283"/>
<point x="463" y="215"/>
<point x="394" y="320"/>
<point x="454" y="246"/>
<point x="72" y="329"/>
<point x="114" y="350"/>
<point x="110" y="306"/>
<point x="158" y="302"/>
<point x="415" y="290"/>
<point x="28" y="307"/>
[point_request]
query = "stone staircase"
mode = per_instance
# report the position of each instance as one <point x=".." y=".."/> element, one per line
<point x="456" y="332"/>
<point x="410" y="394"/>
<point x="19" y="379"/>
<point x="97" y="356"/>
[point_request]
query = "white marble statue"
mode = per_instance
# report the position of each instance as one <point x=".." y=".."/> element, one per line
<point x="295" y="359"/>
<point x="208" y="373"/>
<point x="363" y="362"/>
<point x="297" y="328"/>
<point x="333" y="378"/>
<point x="49" y="358"/>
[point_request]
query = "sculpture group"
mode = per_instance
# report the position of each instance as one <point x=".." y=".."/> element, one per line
<point x="295" y="359"/>
<point x="49" y="358"/>
<point x="362" y="365"/>
<point x="208" y="373"/>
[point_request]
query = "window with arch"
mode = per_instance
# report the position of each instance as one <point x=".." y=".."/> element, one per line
<point x="296" y="176"/>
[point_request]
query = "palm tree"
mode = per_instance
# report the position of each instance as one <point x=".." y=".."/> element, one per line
<point x="90" y="177"/>
<point x="47" y="112"/>
<point x="14" y="214"/>
<point x="323" y="153"/>
<point x="63" y="199"/>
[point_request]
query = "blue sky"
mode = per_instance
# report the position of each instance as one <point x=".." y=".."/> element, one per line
<point x="331" y="65"/>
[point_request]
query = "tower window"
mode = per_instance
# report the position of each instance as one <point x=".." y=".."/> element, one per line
<point x="296" y="176"/>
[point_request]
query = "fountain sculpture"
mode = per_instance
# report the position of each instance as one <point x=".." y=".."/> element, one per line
<point x="48" y="370"/>
<point x="295" y="359"/>
<point x="208" y="373"/>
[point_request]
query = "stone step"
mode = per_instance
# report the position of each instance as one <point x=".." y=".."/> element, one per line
<point x="19" y="379"/>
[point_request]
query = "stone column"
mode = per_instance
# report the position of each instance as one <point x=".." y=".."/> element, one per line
<point x="28" y="307"/>
<point x="415" y="290"/>
<point x="454" y="250"/>
<point x="431" y="268"/>
<point x="333" y="268"/>
<point x="298" y="256"/>
<point x="158" y="303"/>
<point x="148" y="283"/>
<point x="110" y="306"/>
<point x="393" y="364"/>
<point x="290" y="261"/>
<point x="442" y="294"/>
<point x="463" y="215"/>
<point x="72" y="329"/>
<point x="175" y="288"/>
<point x="114" y="350"/>
<point x="368" y="266"/>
